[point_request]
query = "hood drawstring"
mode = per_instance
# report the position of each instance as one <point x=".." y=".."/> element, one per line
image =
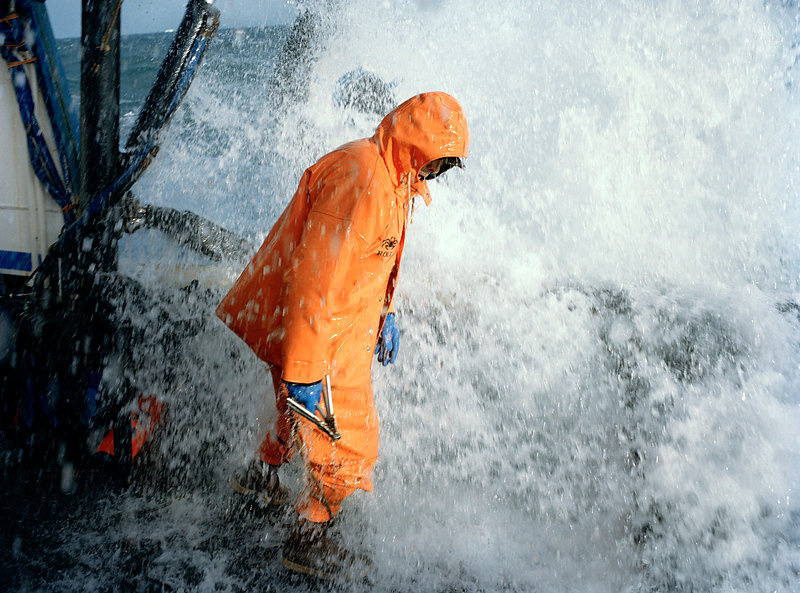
<point x="411" y="199"/>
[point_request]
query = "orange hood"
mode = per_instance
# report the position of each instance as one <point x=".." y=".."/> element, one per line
<point x="428" y="126"/>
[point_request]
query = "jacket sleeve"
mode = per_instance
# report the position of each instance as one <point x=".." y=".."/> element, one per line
<point x="315" y="278"/>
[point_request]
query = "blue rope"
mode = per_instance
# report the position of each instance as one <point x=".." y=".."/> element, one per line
<point x="13" y="34"/>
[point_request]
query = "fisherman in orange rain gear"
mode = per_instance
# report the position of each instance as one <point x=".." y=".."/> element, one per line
<point x="317" y="301"/>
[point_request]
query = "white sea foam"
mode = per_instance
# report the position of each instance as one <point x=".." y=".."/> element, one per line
<point x="597" y="386"/>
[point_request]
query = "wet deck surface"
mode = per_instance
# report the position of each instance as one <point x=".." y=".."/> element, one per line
<point x="145" y="536"/>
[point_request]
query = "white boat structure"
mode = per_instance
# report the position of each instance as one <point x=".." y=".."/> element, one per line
<point x="66" y="198"/>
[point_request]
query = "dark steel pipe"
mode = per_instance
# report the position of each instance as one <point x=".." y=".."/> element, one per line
<point x="100" y="68"/>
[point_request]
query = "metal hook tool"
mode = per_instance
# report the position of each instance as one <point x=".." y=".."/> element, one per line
<point x="327" y="423"/>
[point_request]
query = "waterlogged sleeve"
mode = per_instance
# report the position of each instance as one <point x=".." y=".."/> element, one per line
<point x="251" y="309"/>
<point x="314" y="280"/>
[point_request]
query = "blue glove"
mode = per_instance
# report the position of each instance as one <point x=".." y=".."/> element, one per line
<point x="309" y="394"/>
<point x="389" y="342"/>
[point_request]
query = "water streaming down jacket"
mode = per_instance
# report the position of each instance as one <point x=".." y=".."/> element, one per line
<point x="314" y="297"/>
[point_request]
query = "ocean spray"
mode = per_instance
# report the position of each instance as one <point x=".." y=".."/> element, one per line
<point x="597" y="384"/>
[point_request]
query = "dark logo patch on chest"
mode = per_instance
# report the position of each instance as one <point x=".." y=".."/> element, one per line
<point x="387" y="247"/>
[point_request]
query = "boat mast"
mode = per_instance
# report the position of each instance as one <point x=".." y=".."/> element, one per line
<point x="100" y="41"/>
<point x="100" y="75"/>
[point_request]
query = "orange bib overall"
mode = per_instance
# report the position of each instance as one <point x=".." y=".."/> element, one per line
<point x="313" y="299"/>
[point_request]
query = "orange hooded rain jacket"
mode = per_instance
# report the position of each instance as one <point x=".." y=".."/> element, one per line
<point x="313" y="299"/>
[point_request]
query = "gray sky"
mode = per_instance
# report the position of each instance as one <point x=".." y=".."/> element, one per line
<point x="147" y="16"/>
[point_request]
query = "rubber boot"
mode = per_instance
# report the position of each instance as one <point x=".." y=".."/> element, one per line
<point x="260" y="480"/>
<point x="309" y="550"/>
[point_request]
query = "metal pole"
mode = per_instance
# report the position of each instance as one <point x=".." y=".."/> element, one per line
<point x="100" y="42"/>
<point x="100" y="157"/>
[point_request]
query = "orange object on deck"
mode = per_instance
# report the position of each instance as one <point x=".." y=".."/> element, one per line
<point x="107" y="444"/>
<point x="313" y="299"/>
<point x="144" y="419"/>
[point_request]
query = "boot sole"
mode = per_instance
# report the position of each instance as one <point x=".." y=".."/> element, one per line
<point x="275" y="501"/>
<point x="347" y="575"/>
<point x="302" y="569"/>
